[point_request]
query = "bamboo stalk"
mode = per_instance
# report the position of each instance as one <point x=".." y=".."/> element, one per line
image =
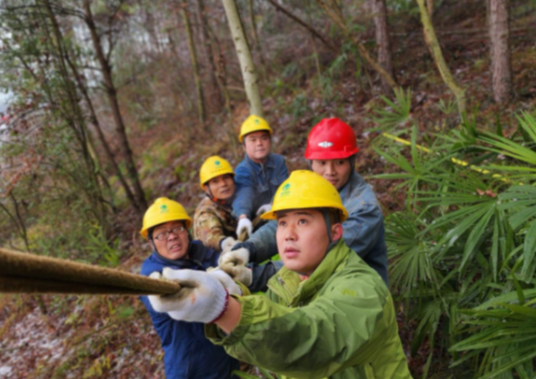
<point x="435" y="49"/>
<point x="29" y="273"/>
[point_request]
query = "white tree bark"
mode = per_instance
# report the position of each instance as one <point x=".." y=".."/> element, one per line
<point x="501" y="69"/>
<point x="249" y="73"/>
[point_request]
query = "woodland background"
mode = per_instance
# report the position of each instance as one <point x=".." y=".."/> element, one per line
<point x="113" y="103"/>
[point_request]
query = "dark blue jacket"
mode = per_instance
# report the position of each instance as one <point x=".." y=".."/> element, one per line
<point x="256" y="183"/>
<point x="187" y="352"/>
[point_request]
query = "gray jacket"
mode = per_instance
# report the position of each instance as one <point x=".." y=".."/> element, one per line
<point x="364" y="231"/>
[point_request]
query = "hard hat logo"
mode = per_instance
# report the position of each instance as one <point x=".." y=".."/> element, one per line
<point x="257" y="121"/>
<point x="325" y="144"/>
<point x="285" y="191"/>
<point x="217" y="163"/>
<point x="164" y="208"/>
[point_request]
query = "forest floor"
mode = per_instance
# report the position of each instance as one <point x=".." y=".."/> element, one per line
<point x="112" y="336"/>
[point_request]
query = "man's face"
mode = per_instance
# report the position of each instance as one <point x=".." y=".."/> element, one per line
<point x="336" y="171"/>
<point x="175" y="245"/>
<point x="222" y="187"/>
<point x="302" y="239"/>
<point x="257" y="146"/>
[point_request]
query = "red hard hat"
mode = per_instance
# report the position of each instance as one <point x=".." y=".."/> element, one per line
<point x="331" y="138"/>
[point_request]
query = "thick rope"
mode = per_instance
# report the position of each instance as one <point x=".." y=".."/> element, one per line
<point x="29" y="273"/>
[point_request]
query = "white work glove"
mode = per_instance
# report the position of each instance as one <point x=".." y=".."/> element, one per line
<point x="234" y="263"/>
<point x="234" y="257"/>
<point x="239" y="273"/>
<point x="244" y="223"/>
<point x="263" y="209"/>
<point x="227" y="244"/>
<point x="226" y="280"/>
<point x="202" y="297"/>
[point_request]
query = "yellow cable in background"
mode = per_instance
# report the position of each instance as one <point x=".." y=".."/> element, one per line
<point x="453" y="160"/>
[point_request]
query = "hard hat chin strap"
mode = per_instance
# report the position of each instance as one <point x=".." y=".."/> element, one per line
<point x="325" y="213"/>
<point x="211" y="196"/>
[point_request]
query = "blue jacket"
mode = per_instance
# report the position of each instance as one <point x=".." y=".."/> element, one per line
<point x="256" y="183"/>
<point x="364" y="231"/>
<point x="187" y="352"/>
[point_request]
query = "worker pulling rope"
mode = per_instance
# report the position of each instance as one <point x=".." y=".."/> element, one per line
<point x="29" y="273"/>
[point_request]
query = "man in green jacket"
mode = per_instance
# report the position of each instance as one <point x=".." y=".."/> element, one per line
<point x="327" y="314"/>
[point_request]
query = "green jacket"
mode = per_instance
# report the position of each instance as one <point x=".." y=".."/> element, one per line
<point x="340" y="323"/>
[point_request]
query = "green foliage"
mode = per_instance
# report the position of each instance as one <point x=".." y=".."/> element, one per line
<point x="466" y="237"/>
<point x="503" y="332"/>
<point x="49" y="166"/>
<point x="300" y="106"/>
<point x="403" y="6"/>
<point x="397" y="113"/>
<point x="447" y="107"/>
<point x="100" y="249"/>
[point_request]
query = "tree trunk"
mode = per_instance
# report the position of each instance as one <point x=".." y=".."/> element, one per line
<point x="195" y="66"/>
<point x="209" y="52"/>
<point x="76" y="118"/>
<point x="430" y="7"/>
<point x="94" y="120"/>
<point x="335" y="14"/>
<point x="379" y="11"/>
<point x="114" y="104"/>
<point x="249" y="74"/>
<point x="501" y="69"/>
<point x="433" y="44"/>
<point x="256" y="41"/>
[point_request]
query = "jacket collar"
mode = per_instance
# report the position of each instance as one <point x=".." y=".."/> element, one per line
<point x="226" y="204"/>
<point x="269" y="162"/>
<point x="354" y="181"/>
<point x="288" y="285"/>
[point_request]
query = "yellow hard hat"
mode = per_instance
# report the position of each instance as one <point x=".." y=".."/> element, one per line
<point x="253" y="124"/>
<point x="212" y="167"/>
<point x="161" y="211"/>
<point x="304" y="190"/>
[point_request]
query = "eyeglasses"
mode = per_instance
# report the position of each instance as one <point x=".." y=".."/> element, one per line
<point x="165" y="234"/>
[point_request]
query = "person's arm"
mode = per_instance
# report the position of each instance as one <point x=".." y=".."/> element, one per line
<point x="264" y="242"/>
<point x="261" y="274"/>
<point x="260" y="247"/>
<point x="364" y="233"/>
<point x="244" y="194"/>
<point x="208" y="229"/>
<point x="342" y="328"/>
<point x="363" y="228"/>
<point x="229" y="320"/>
<point x="282" y="172"/>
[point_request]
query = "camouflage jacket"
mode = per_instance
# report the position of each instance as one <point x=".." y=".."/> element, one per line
<point x="213" y="222"/>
